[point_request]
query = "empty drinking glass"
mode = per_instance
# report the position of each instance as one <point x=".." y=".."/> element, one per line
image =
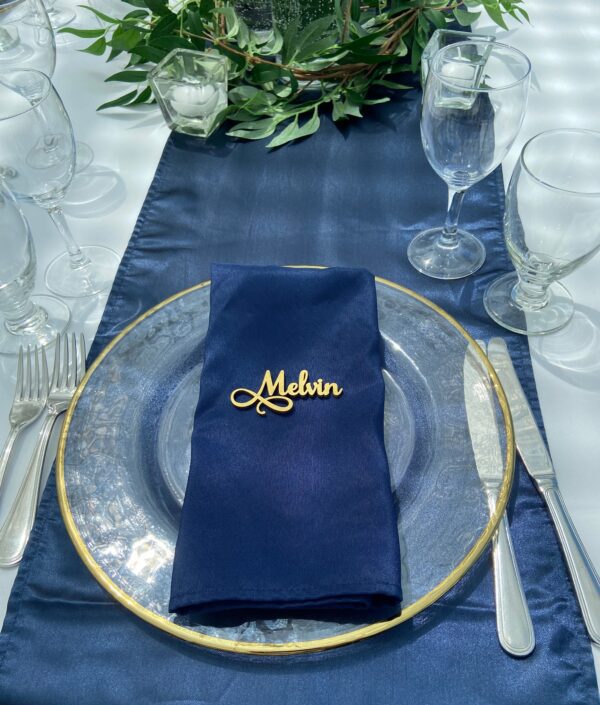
<point x="28" y="42"/>
<point x="27" y="320"/>
<point x="551" y="226"/>
<point x="37" y="159"/>
<point x="473" y="107"/>
<point x="26" y="37"/>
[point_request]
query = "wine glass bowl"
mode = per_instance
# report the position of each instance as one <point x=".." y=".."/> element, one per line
<point x="551" y="227"/>
<point x="473" y="107"/>
<point x="37" y="160"/>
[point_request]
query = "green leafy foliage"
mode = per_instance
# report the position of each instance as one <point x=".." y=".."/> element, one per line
<point x="283" y="79"/>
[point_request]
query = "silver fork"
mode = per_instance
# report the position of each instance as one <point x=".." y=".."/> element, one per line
<point x="66" y="375"/>
<point x="28" y="403"/>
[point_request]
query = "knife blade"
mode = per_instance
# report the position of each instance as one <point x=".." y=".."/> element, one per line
<point x="538" y="463"/>
<point x="513" y="621"/>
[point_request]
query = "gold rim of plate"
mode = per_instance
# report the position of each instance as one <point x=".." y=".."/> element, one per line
<point x="243" y="647"/>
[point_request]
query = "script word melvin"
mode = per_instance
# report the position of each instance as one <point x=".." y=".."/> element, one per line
<point x="276" y="395"/>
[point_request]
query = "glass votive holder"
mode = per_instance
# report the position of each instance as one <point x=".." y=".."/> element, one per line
<point x="191" y="89"/>
<point x="443" y="37"/>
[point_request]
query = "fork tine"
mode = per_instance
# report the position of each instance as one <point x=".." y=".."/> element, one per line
<point x="73" y="370"/>
<point x="64" y="372"/>
<point x="82" y="358"/>
<point x="29" y="388"/>
<point x="19" y="384"/>
<point x="56" y="369"/>
<point x="44" y="374"/>
<point x="35" y="392"/>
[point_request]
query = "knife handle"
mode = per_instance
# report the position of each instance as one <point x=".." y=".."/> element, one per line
<point x="515" y="629"/>
<point x="584" y="577"/>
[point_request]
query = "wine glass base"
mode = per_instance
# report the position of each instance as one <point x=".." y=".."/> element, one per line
<point x="84" y="156"/>
<point x="429" y="255"/>
<point x="60" y="17"/>
<point x="57" y="320"/>
<point x="501" y="307"/>
<point x="64" y="280"/>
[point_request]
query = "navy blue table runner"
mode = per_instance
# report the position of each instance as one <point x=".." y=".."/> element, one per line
<point x="354" y="197"/>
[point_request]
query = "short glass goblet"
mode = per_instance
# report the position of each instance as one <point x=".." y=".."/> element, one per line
<point x="551" y="227"/>
<point x="28" y="320"/>
<point x="37" y="150"/>
<point x="473" y="107"/>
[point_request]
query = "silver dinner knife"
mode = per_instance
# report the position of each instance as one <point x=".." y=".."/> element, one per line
<point x="513" y="621"/>
<point x="539" y="465"/>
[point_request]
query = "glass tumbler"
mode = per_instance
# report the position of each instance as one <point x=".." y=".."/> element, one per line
<point x="551" y="227"/>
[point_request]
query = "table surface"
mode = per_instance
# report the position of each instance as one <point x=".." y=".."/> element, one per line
<point x="563" y="47"/>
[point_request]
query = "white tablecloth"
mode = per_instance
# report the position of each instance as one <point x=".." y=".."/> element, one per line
<point x="563" y="43"/>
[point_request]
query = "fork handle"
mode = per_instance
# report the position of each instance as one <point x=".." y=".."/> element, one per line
<point x="515" y="629"/>
<point x="15" y="531"/>
<point x="6" y="451"/>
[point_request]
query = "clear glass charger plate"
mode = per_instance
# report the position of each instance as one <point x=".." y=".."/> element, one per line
<point x="124" y="456"/>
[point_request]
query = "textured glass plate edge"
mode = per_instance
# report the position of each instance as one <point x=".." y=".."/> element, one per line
<point x="213" y="642"/>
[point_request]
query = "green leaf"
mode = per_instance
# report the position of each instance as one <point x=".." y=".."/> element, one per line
<point x="289" y="42"/>
<point x="266" y="73"/>
<point x="495" y="14"/>
<point x="97" y="48"/>
<point x="314" y="31"/>
<point x="437" y="18"/>
<point x="125" y="39"/>
<point x="165" y="25"/>
<point x="136" y="15"/>
<point x="171" y="42"/>
<point x="285" y="135"/>
<point x="84" y="33"/>
<point x="391" y="84"/>
<point x="194" y="22"/>
<point x="128" y="76"/>
<point x="159" y="7"/>
<point x="101" y="15"/>
<point x="150" y="53"/>
<point x="121" y="100"/>
<point x="241" y="93"/>
<point x="113" y="54"/>
<point x="231" y="20"/>
<point x="143" y="97"/>
<point x="257" y="130"/>
<point x="464" y="18"/>
<point x="310" y="126"/>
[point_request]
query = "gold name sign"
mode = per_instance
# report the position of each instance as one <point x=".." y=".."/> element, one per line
<point x="277" y="396"/>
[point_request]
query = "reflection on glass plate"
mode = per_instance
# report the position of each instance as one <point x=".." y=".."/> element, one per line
<point x="125" y="450"/>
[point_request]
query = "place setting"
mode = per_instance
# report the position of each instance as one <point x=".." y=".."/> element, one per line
<point x="302" y="458"/>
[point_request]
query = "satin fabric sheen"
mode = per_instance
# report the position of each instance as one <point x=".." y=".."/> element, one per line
<point x="289" y="514"/>
<point x="353" y="196"/>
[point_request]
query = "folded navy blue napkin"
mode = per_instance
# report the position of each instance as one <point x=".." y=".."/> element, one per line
<point x="288" y="509"/>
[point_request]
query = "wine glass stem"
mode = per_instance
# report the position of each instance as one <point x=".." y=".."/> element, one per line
<point x="449" y="237"/>
<point x="76" y="256"/>
<point x="20" y="314"/>
<point x="530" y="295"/>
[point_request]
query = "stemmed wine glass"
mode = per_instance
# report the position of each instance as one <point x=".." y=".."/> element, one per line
<point x="551" y="226"/>
<point x="473" y="107"/>
<point x="27" y="42"/>
<point x="27" y="320"/>
<point x="37" y="149"/>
